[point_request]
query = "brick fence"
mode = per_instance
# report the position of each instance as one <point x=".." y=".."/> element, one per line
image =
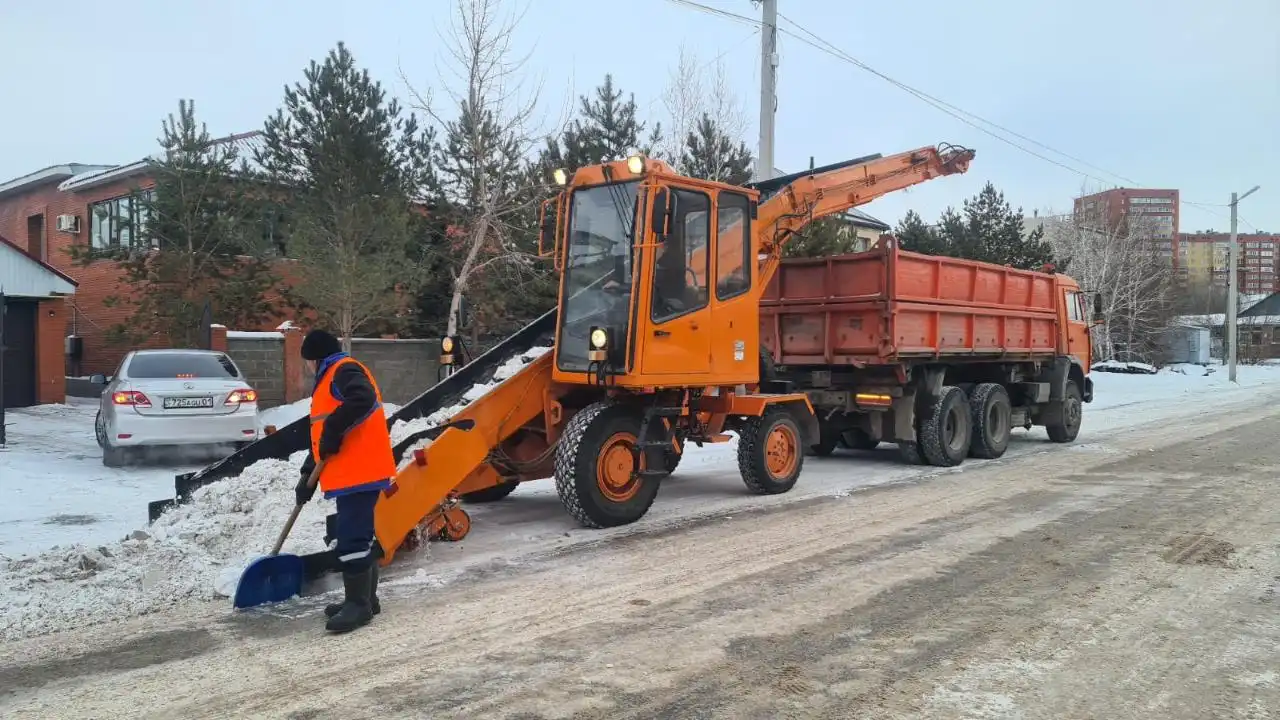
<point x="274" y="367"/>
<point x="272" y="363"/>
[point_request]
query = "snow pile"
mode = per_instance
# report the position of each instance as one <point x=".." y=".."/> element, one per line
<point x="181" y="557"/>
<point x="403" y="429"/>
<point x="194" y="551"/>
<point x="282" y="415"/>
<point x="1133" y="368"/>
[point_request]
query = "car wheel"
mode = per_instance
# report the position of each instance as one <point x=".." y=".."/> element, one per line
<point x="100" y="430"/>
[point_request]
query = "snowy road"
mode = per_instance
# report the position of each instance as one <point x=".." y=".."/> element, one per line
<point x="1131" y="575"/>
<point x="57" y="492"/>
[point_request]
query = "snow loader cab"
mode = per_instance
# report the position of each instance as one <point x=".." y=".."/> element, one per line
<point x="655" y="344"/>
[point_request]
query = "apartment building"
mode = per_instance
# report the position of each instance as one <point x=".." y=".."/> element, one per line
<point x="1205" y="257"/>
<point x="1155" y="209"/>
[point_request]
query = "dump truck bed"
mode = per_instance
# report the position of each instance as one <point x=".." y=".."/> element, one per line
<point x="887" y="306"/>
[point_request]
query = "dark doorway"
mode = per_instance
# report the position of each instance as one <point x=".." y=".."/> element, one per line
<point x="19" y="353"/>
<point x="35" y="237"/>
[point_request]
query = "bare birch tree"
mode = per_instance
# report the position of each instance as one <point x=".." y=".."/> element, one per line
<point x="488" y="193"/>
<point x="695" y="92"/>
<point x="1124" y="262"/>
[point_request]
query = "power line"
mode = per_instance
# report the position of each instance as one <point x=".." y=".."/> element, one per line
<point x="717" y="11"/>
<point x="813" y="40"/>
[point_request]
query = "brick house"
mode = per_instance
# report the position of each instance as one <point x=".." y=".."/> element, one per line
<point x="34" y="327"/>
<point x="47" y="212"/>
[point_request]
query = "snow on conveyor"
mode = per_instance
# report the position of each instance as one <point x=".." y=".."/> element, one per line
<point x="192" y="552"/>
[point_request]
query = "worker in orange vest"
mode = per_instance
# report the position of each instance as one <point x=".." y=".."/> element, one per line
<point x="349" y="434"/>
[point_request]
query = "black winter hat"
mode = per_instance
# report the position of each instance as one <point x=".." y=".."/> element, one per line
<point x="318" y="345"/>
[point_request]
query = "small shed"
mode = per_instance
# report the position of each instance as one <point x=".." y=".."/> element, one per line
<point x="1188" y="344"/>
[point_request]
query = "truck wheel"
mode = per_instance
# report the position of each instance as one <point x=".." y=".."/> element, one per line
<point x="593" y="467"/>
<point x="491" y="494"/>
<point x="992" y="414"/>
<point x="946" y="428"/>
<point x="1068" y="426"/>
<point x="828" y="437"/>
<point x="858" y="440"/>
<point x="770" y="453"/>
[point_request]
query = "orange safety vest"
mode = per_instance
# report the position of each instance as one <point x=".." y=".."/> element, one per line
<point x="365" y="460"/>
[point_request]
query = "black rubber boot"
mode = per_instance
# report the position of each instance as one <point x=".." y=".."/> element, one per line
<point x="356" y="608"/>
<point x="331" y="610"/>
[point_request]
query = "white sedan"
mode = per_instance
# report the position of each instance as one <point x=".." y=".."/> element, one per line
<point x="173" y="398"/>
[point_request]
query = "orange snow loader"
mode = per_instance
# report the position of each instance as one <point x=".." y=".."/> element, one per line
<point x="656" y="344"/>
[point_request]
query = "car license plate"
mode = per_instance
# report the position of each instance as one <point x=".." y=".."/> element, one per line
<point x="179" y="403"/>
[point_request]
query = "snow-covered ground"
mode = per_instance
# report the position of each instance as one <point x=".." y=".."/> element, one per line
<point x="53" y="470"/>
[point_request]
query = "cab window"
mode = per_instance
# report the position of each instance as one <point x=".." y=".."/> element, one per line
<point x="682" y="263"/>
<point x="733" y="246"/>
<point x="1075" y="308"/>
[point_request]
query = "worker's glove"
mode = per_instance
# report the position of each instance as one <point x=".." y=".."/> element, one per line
<point x="304" y="491"/>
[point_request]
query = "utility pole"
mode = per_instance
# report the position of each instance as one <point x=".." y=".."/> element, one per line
<point x="1233" y="286"/>
<point x="768" y="88"/>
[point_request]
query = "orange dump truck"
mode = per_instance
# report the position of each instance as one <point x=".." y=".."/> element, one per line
<point x="943" y="357"/>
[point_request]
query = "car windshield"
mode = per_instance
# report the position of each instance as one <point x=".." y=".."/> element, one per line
<point x="181" y="365"/>
<point x="597" y="273"/>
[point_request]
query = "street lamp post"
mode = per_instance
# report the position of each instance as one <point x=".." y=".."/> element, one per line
<point x="1233" y="286"/>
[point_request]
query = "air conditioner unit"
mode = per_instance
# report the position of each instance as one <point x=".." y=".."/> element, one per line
<point x="69" y="223"/>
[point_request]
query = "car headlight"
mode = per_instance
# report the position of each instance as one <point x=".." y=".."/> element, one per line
<point x="599" y="338"/>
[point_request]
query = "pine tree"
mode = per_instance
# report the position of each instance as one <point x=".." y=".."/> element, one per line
<point x="709" y="153"/>
<point x="199" y="239"/>
<point x="354" y="166"/>
<point x="608" y="129"/>
<point x="913" y="234"/>
<point x="988" y="230"/>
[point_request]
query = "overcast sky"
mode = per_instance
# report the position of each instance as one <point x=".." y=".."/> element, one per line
<point x="1181" y="94"/>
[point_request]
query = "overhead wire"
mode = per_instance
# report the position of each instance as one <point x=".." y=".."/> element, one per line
<point x="812" y="39"/>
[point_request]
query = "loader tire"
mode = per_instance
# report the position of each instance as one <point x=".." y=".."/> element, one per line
<point x="491" y="494"/>
<point x="671" y="458"/>
<point x="946" y="428"/>
<point x="770" y="451"/>
<point x="992" y="416"/>
<point x="593" y="467"/>
<point x="1071" y="415"/>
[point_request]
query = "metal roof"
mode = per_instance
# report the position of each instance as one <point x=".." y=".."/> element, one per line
<point x="23" y="276"/>
<point x="246" y="142"/>
<point x="53" y="173"/>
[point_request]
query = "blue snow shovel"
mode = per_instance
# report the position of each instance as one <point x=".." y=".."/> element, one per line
<point x="275" y="577"/>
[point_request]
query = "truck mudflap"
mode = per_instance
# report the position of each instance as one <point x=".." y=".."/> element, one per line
<point x="295" y="436"/>
<point x="1086" y="393"/>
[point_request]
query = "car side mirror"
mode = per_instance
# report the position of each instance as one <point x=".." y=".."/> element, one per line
<point x="98" y="379"/>
<point x="664" y="207"/>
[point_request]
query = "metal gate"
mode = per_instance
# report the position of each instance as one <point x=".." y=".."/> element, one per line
<point x="19" y="353"/>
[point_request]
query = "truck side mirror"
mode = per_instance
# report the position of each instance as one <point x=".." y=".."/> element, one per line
<point x="664" y="206"/>
<point x="1097" y="308"/>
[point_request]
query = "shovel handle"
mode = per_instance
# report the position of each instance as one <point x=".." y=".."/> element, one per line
<point x="312" y="479"/>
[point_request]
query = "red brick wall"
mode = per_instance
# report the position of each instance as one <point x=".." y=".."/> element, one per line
<point x="87" y="314"/>
<point x="51" y="329"/>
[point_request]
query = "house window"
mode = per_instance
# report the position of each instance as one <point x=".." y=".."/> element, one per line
<point x="119" y="223"/>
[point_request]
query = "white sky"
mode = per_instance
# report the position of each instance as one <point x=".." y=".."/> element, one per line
<point x="1179" y="94"/>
